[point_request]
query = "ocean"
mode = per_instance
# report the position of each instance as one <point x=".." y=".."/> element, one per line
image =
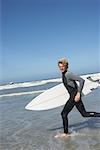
<point x="21" y="129"/>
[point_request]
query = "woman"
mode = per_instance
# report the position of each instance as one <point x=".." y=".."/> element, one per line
<point x="69" y="81"/>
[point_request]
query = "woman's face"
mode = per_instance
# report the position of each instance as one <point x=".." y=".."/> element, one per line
<point x="62" y="67"/>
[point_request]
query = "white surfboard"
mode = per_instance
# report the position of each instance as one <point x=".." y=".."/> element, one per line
<point x="58" y="95"/>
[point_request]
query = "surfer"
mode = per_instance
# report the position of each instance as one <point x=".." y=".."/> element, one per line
<point x="69" y="80"/>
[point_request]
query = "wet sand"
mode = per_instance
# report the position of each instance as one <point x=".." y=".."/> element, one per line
<point x="31" y="130"/>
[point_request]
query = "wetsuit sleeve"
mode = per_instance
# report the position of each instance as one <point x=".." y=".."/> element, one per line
<point x="74" y="77"/>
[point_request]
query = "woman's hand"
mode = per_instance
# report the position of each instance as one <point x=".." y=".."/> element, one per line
<point x="77" y="97"/>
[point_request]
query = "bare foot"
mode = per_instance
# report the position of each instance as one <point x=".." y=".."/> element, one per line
<point x="63" y="135"/>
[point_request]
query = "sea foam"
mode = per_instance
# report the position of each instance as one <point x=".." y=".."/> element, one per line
<point x="29" y="84"/>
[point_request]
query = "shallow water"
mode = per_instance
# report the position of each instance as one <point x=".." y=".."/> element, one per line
<point x="31" y="130"/>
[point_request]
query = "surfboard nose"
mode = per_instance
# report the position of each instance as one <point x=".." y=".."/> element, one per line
<point x="27" y="107"/>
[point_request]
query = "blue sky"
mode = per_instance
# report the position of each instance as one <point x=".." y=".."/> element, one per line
<point x="36" y="33"/>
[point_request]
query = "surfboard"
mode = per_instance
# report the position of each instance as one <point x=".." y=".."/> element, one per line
<point x="58" y="95"/>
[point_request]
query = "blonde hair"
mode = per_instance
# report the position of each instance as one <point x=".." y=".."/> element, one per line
<point x="63" y="61"/>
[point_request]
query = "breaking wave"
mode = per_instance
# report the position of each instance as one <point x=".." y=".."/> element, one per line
<point x="28" y="84"/>
<point x="22" y="93"/>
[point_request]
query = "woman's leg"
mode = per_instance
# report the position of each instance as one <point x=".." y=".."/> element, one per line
<point x="82" y="110"/>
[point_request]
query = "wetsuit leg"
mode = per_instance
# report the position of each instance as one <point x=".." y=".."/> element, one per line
<point x="67" y="108"/>
<point x="82" y="110"/>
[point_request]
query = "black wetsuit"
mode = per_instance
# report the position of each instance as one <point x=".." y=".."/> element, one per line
<point x="69" y="81"/>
